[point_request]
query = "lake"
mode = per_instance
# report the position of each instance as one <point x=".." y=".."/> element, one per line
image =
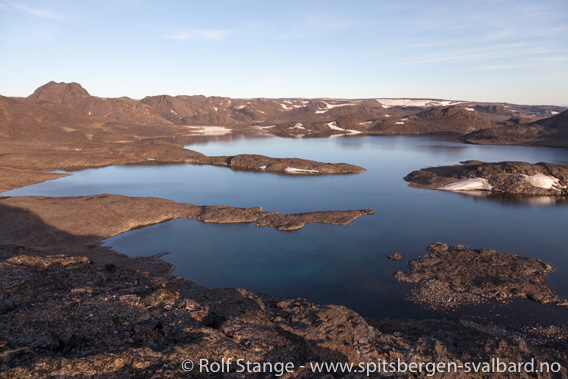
<point x="344" y="265"/>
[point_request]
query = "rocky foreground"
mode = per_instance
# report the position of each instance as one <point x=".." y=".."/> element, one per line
<point x="519" y="178"/>
<point x="67" y="316"/>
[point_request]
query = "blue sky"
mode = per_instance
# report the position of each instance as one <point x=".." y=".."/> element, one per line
<point x="484" y="50"/>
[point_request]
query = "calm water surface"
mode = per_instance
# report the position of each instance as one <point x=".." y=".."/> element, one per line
<point x="332" y="264"/>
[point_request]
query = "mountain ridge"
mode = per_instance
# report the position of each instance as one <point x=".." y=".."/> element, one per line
<point x="300" y="117"/>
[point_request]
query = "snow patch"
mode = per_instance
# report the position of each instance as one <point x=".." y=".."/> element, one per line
<point x="543" y="181"/>
<point x="553" y="112"/>
<point x="240" y="106"/>
<point x="470" y="109"/>
<point x="365" y="122"/>
<point x="333" y="125"/>
<point x="330" y="106"/>
<point x="293" y="170"/>
<point x="259" y="127"/>
<point x="468" y="185"/>
<point x="416" y="102"/>
<point x="399" y="122"/>
<point x="325" y="110"/>
<point x="286" y="106"/>
<point x="297" y="126"/>
<point x="209" y="130"/>
<point x="351" y="132"/>
<point x="262" y="167"/>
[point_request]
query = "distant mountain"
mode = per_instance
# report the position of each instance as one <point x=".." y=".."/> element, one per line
<point x="201" y="110"/>
<point x="552" y="131"/>
<point x="453" y="119"/>
<point x="558" y="122"/>
<point x="67" y="107"/>
<point x="29" y="120"/>
<point x="121" y="109"/>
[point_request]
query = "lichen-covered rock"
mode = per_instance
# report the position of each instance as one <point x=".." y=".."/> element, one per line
<point x="456" y="275"/>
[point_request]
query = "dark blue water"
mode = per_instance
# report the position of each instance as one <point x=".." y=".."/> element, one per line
<point x="333" y="264"/>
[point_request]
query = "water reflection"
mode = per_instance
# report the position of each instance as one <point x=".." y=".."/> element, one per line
<point x="197" y="140"/>
<point x="515" y="199"/>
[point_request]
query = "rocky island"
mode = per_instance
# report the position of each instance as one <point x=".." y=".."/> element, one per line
<point x="503" y="177"/>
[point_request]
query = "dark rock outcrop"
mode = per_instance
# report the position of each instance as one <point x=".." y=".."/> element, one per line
<point x="395" y="257"/>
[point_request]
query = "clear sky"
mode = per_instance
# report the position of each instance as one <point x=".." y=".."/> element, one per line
<point x="483" y="50"/>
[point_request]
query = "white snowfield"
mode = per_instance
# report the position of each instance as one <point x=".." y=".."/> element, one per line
<point x="468" y="185"/>
<point x="333" y="125"/>
<point x="416" y="102"/>
<point x="543" y="181"/>
<point x="293" y="170"/>
<point x="470" y="109"/>
<point x="299" y="125"/>
<point x="329" y="106"/>
<point x="260" y="127"/>
<point x="209" y="130"/>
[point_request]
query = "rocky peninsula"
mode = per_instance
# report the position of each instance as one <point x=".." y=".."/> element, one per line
<point x="455" y="275"/>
